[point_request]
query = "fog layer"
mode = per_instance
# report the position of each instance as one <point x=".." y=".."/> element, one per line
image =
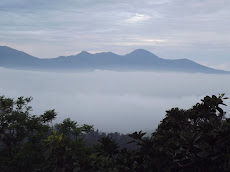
<point x="112" y="101"/>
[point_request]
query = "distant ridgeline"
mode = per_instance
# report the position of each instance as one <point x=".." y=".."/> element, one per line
<point x="138" y="60"/>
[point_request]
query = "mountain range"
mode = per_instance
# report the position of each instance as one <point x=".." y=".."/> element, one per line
<point x="138" y="60"/>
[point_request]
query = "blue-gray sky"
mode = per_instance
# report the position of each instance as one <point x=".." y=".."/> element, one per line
<point x="195" y="29"/>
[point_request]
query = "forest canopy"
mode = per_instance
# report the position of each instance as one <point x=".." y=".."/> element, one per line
<point x="192" y="140"/>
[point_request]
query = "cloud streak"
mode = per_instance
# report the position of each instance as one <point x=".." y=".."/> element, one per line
<point x="138" y="18"/>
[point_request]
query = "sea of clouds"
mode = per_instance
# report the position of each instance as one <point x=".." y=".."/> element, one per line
<point x="112" y="101"/>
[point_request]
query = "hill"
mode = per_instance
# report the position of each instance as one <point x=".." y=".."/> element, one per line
<point x="138" y="60"/>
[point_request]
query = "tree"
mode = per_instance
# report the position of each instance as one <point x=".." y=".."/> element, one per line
<point x="192" y="140"/>
<point x="21" y="135"/>
<point x="66" y="149"/>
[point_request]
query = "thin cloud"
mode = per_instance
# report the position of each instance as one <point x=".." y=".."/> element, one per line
<point x="138" y="18"/>
<point x="191" y="28"/>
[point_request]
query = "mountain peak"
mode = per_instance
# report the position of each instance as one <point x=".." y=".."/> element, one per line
<point x="8" y="49"/>
<point x="5" y="47"/>
<point x="10" y="53"/>
<point x="139" y="59"/>
<point x="84" y="53"/>
<point x="142" y="53"/>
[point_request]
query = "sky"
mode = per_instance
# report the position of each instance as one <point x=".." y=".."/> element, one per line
<point x="195" y="29"/>
<point x="112" y="101"/>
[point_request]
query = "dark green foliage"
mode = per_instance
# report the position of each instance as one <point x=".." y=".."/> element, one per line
<point x="21" y="136"/>
<point x="193" y="140"/>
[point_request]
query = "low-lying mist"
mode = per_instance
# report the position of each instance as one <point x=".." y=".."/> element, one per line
<point x="112" y="101"/>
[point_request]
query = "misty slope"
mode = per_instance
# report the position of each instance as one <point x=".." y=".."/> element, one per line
<point x="13" y="58"/>
<point x="135" y="61"/>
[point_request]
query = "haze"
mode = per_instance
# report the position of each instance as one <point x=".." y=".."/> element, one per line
<point x="112" y="101"/>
